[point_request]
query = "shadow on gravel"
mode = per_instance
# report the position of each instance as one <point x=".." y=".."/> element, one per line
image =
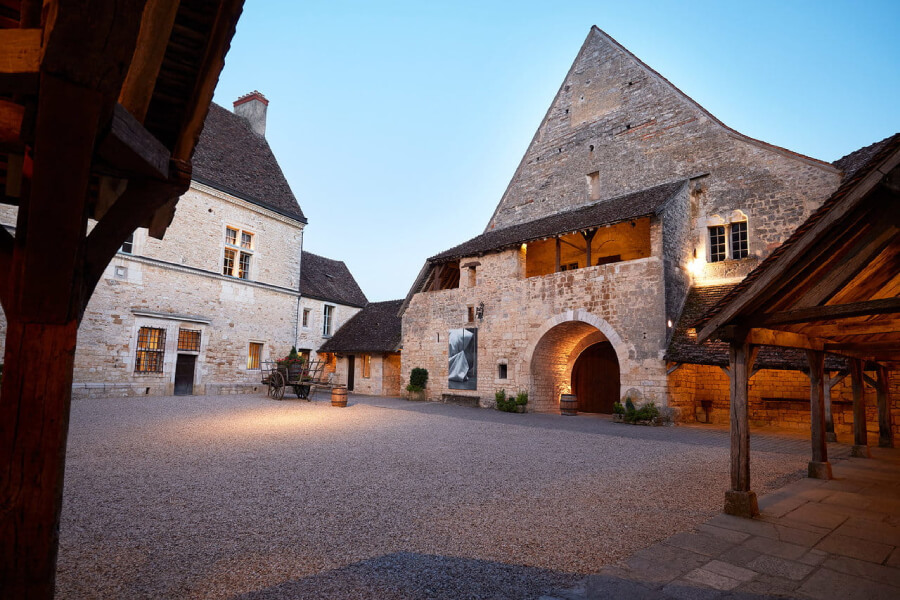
<point x="411" y="576"/>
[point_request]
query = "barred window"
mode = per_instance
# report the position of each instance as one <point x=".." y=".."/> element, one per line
<point x="188" y="340"/>
<point x="151" y="349"/>
<point x="739" y="244"/>
<point x="253" y="355"/>
<point x="238" y="253"/>
<point x="717" y="243"/>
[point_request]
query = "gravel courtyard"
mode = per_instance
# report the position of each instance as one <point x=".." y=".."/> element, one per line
<point x="245" y="497"/>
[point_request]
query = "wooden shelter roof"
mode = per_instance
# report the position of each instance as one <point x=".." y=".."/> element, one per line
<point x="833" y="285"/>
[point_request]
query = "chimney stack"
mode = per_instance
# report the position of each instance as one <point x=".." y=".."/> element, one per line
<point x="252" y="107"/>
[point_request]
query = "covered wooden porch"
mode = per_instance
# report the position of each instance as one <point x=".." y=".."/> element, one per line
<point x="831" y="288"/>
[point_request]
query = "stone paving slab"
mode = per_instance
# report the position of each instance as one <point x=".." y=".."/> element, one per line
<point x="815" y="539"/>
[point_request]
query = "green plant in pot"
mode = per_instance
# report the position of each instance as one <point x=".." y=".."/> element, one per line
<point x="418" y="379"/>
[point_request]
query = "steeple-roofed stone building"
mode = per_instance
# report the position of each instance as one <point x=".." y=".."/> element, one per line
<point x="629" y="194"/>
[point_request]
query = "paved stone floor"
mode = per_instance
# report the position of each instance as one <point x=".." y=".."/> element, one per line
<point x="814" y="539"/>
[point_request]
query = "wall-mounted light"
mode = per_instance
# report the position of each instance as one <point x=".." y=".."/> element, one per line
<point x="479" y="311"/>
<point x="696" y="267"/>
<point x="669" y="323"/>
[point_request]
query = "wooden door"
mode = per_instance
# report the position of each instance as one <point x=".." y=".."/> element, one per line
<point x="351" y="367"/>
<point x="184" y="374"/>
<point x="595" y="378"/>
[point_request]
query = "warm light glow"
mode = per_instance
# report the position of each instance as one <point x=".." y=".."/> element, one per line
<point x="669" y="323"/>
<point x="696" y="266"/>
<point x="524" y="247"/>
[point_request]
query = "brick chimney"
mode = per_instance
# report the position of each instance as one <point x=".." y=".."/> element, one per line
<point x="252" y="107"/>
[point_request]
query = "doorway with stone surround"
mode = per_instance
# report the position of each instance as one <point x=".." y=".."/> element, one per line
<point x="575" y="353"/>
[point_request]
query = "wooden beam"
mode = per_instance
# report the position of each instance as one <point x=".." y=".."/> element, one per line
<point x="20" y="60"/>
<point x="11" y="116"/>
<point x="819" y="467"/>
<point x="557" y="255"/>
<point x="740" y="500"/>
<point x="823" y="313"/>
<point x="674" y="368"/>
<point x="153" y="39"/>
<point x="131" y="150"/>
<point x="837" y="329"/>
<point x="885" y="426"/>
<point x="828" y="385"/>
<point x="588" y="237"/>
<point x="860" y="435"/>
<point x="785" y="339"/>
<point x="567" y="242"/>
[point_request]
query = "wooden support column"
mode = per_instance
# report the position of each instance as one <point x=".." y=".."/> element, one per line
<point x="885" y="429"/>
<point x="740" y="500"/>
<point x="558" y="252"/>
<point x="830" y="382"/>
<point x="588" y="237"/>
<point x="819" y="467"/>
<point x="860" y="433"/>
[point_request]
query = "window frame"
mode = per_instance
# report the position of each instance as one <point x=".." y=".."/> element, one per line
<point x="238" y="252"/>
<point x="730" y="231"/>
<point x="305" y="317"/>
<point x="257" y="357"/>
<point x="739" y="250"/>
<point x="128" y="244"/>
<point x="150" y="346"/>
<point x="327" y="320"/>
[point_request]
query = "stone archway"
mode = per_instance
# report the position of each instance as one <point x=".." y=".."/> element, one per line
<point x="555" y="348"/>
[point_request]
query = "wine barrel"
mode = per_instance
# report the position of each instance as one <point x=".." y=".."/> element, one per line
<point x="568" y="404"/>
<point x="339" y="396"/>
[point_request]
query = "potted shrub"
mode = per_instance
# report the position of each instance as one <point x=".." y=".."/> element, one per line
<point x="418" y="379"/>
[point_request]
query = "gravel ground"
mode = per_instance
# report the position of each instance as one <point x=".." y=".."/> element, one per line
<point x="244" y="497"/>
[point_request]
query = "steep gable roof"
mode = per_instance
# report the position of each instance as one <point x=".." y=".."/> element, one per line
<point x="232" y="158"/>
<point x="630" y="206"/>
<point x="376" y="328"/>
<point x="330" y="280"/>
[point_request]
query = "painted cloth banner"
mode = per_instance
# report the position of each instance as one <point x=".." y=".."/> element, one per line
<point x="462" y="368"/>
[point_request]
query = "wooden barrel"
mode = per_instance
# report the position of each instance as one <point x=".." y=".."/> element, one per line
<point x="568" y="404"/>
<point x="339" y="396"/>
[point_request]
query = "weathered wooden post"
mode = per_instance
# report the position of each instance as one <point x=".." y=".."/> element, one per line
<point x="860" y="434"/>
<point x="819" y="467"/>
<point x="740" y="500"/>
<point x="885" y="427"/>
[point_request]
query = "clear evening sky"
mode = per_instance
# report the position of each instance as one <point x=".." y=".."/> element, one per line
<point x="399" y="124"/>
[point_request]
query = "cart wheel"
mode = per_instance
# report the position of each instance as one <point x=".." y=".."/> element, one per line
<point x="276" y="386"/>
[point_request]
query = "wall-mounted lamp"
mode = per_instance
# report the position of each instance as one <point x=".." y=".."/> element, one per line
<point x="479" y="311"/>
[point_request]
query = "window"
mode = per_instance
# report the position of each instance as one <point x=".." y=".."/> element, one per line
<point x="236" y="261"/>
<point x="327" y="315"/>
<point x="501" y="371"/>
<point x="151" y="349"/>
<point x="717" y="243"/>
<point x="128" y="245"/>
<point x="739" y="244"/>
<point x="188" y="340"/>
<point x="367" y="365"/>
<point x="729" y="241"/>
<point x="306" y="312"/>
<point x="568" y="267"/>
<point x="471" y="314"/>
<point x="593" y="180"/>
<point x="253" y="355"/>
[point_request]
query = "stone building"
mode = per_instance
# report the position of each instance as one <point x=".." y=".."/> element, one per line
<point x="198" y="312"/>
<point x="330" y="298"/>
<point x="629" y="196"/>
<point x="367" y="350"/>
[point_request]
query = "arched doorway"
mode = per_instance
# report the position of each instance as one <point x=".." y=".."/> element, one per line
<point x="554" y="350"/>
<point x="595" y="378"/>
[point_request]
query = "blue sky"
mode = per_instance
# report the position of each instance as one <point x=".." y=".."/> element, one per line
<point x="400" y="124"/>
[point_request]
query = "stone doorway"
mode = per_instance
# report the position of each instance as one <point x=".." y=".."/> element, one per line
<point x="595" y="378"/>
<point x="555" y="352"/>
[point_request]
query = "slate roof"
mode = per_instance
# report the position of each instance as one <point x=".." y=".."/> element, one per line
<point x="860" y="163"/>
<point x="232" y="158"/>
<point x="376" y="328"/>
<point x="330" y="280"/>
<point x="622" y="208"/>
<point x="684" y="348"/>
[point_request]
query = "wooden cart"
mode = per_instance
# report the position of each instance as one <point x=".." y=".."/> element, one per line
<point x="303" y="378"/>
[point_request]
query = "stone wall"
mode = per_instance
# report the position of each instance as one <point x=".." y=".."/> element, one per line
<point x="384" y="374"/>
<point x="311" y="336"/>
<point x="776" y="398"/>
<point x="177" y="284"/>
<point x="613" y="115"/>
<point x="532" y="324"/>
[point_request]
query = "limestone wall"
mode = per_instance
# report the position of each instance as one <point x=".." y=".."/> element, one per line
<point x="615" y="116"/>
<point x="311" y="336"/>
<point x="779" y="398"/>
<point x="523" y="316"/>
